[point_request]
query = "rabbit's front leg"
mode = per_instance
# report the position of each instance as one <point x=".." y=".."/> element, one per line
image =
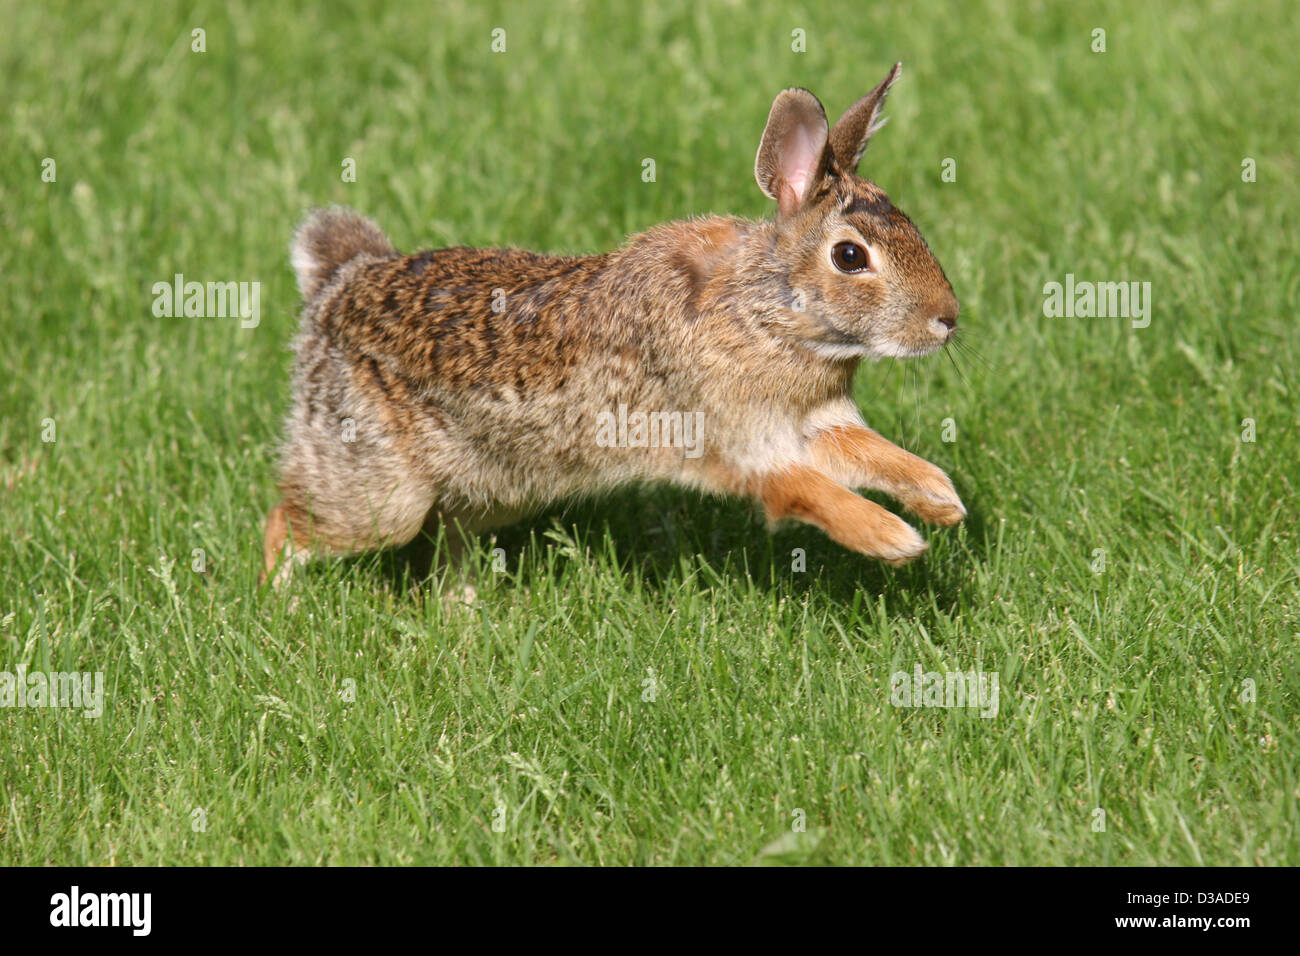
<point x="860" y="458"/>
<point x="807" y="494"/>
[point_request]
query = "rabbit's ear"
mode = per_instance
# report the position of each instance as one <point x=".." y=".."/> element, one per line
<point x="853" y="130"/>
<point x="792" y="158"/>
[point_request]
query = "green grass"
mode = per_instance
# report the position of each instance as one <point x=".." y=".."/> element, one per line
<point x="1120" y="690"/>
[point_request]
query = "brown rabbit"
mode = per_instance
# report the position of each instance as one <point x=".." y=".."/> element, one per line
<point x="473" y="386"/>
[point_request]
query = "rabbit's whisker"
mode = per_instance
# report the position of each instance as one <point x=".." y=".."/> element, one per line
<point x="955" y="368"/>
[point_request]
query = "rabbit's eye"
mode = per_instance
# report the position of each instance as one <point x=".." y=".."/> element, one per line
<point x="850" y="257"/>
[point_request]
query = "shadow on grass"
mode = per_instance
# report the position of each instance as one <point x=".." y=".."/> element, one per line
<point x="657" y="532"/>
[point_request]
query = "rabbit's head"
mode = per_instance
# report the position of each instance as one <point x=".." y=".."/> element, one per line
<point x="861" y="279"/>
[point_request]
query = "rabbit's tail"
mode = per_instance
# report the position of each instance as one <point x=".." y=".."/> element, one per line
<point x="327" y="240"/>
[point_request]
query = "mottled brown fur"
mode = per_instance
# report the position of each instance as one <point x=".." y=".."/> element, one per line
<point x="464" y="386"/>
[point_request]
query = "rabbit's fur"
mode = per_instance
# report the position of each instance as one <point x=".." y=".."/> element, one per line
<point x="467" y="386"/>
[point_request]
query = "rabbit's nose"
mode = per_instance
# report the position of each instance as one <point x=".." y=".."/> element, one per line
<point x="941" y="327"/>
<point x="944" y="309"/>
<point x="944" y="321"/>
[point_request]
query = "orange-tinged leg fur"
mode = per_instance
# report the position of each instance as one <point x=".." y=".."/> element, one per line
<point x="809" y="495"/>
<point x="278" y="545"/>
<point x="860" y="458"/>
<point x="290" y="540"/>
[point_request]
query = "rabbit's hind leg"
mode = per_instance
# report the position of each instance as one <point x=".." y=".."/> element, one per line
<point x="351" y="466"/>
<point x="341" y="521"/>
<point x="279" y="551"/>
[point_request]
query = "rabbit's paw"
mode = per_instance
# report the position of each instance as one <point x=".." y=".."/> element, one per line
<point x="897" y="542"/>
<point x="933" y="498"/>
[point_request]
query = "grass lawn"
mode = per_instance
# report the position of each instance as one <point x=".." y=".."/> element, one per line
<point x="651" y="678"/>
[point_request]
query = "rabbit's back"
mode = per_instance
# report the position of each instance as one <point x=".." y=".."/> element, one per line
<point x="481" y="373"/>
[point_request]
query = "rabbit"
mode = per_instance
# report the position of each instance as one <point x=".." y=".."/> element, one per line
<point x="471" y="387"/>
